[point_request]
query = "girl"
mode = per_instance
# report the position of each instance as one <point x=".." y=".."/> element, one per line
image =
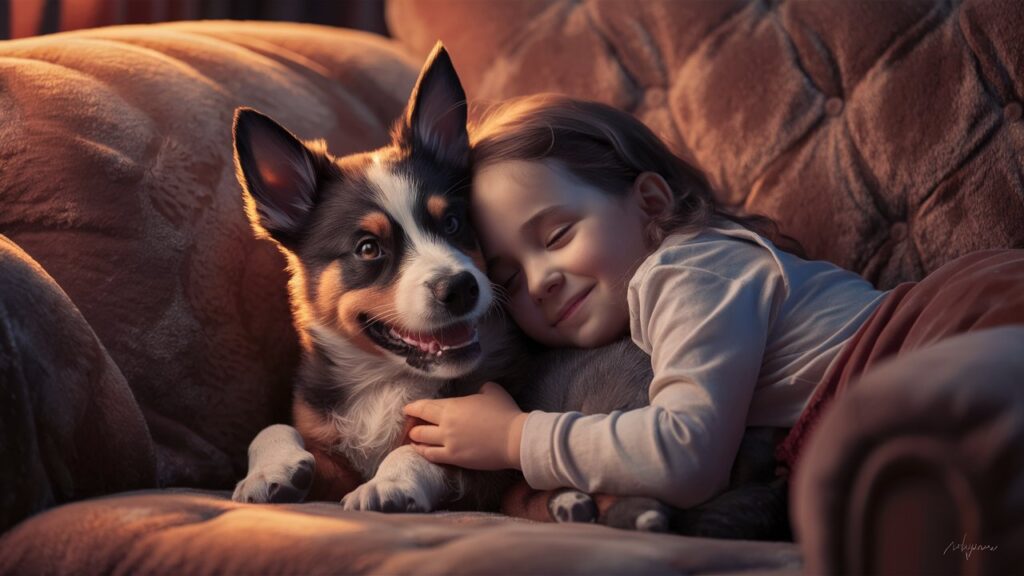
<point x="593" y="229"/>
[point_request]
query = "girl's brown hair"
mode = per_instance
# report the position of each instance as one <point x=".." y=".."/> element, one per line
<point x="606" y="148"/>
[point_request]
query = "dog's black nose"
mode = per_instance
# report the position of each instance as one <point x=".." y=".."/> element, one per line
<point x="457" y="293"/>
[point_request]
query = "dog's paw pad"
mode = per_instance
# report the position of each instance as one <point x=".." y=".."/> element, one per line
<point x="572" y="506"/>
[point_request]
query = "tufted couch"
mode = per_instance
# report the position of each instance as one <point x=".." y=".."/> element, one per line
<point x="145" y="335"/>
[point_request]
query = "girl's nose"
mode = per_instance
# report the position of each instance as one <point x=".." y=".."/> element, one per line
<point x="545" y="283"/>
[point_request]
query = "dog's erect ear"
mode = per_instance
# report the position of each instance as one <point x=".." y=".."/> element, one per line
<point x="277" y="171"/>
<point x="435" y="120"/>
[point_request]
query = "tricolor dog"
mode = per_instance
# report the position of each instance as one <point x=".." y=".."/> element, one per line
<point x="387" y="293"/>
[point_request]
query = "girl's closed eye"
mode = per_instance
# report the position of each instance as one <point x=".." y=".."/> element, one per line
<point x="560" y="237"/>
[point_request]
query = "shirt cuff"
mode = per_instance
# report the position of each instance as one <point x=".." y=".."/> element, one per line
<point x="535" y="450"/>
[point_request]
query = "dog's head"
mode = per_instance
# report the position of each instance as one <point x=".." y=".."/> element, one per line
<point x="379" y="243"/>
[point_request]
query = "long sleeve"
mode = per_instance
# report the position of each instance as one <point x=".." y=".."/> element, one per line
<point x="706" y="333"/>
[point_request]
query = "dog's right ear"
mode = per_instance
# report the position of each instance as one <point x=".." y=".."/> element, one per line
<point x="277" y="172"/>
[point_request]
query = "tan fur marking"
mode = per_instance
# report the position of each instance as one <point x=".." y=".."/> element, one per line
<point x="311" y="426"/>
<point x="436" y="205"/>
<point x="335" y="475"/>
<point x="376" y="223"/>
<point x="329" y="289"/>
<point x="378" y="303"/>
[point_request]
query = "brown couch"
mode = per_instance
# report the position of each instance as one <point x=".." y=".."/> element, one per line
<point x="145" y="336"/>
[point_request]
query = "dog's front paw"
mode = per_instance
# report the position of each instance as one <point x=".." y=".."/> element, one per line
<point x="388" y="495"/>
<point x="284" y="480"/>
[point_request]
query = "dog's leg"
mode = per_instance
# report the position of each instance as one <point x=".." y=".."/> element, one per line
<point x="405" y="482"/>
<point x="280" y="468"/>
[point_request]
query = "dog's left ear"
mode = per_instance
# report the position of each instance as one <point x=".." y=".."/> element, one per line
<point x="435" y="120"/>
<point x="278" y="174"/>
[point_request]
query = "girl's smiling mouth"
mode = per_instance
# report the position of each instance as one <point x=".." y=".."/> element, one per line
<point x="572" y="306"/>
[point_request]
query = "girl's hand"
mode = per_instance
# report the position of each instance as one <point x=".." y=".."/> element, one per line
<point x="481" y="431"/>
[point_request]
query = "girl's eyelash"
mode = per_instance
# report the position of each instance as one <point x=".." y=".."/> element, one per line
<point x="561" y="232"/>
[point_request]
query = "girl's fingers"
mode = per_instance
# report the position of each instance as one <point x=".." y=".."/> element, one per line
<point x="429" y="410"/>
<point x="424" y="434"/>
<point x="435" y="454"/>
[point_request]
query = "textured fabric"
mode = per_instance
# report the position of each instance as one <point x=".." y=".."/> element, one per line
<point x="739" y="334"/>
<point x="975" y="292"/>
<point x="177" y="532"/>
<point x="117" y="177"/>
<point x="69" y="425"/>
<point x="885" y="136"/>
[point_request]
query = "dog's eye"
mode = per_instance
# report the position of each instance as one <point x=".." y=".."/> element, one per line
<point x="452" y="225"/>
<point x="368" y="249"/>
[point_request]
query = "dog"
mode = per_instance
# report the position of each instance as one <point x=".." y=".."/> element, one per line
<point x="391" y="305"/>
<point x="387" y="293"/>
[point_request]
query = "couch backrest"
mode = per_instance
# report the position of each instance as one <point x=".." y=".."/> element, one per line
<point x="885" y="136"/>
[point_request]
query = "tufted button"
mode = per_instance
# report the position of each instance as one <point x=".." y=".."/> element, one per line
<point x="654" y="98"/>
<point x="834" y="106"/>
<point x="898" y="231"/>
<point x="1011" y="112"/>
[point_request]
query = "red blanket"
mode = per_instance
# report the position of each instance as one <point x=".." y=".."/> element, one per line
<point x="977" y="291"/>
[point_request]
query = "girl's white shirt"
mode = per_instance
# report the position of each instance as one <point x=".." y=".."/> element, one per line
<point x="739" y="333"/>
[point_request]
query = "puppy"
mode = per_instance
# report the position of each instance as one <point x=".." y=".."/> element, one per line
<point x="387" y="295"/>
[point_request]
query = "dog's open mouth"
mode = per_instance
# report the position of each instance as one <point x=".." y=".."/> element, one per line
<point x="453" y="343"/>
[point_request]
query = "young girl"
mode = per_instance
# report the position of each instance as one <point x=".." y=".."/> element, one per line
<point x="593" y="229"/>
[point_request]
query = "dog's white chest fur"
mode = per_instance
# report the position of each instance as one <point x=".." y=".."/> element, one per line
<point x="368" y="426"/>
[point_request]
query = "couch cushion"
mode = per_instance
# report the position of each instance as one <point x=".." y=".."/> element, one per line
<point x="117" y="177"/>
<point x="191" y="532"/>
<point x="885" y="136"/>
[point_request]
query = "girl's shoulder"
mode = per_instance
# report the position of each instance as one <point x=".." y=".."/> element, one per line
<point x="732" y="252"/>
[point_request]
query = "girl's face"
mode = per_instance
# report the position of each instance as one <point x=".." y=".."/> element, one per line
<point x="562" y="249"/>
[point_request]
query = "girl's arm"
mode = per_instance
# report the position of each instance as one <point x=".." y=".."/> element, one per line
<point x="706" y="334"/>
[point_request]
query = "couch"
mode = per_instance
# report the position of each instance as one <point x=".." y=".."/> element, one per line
<point x="145" y="334"/>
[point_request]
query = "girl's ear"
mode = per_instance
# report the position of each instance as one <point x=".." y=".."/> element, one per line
<point x="653" y="195"/>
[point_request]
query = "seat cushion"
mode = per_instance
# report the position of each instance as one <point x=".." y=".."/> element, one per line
<point x="193" y="532"/>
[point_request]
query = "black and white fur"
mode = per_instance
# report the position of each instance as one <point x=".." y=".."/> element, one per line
<point x="387" y="291"/>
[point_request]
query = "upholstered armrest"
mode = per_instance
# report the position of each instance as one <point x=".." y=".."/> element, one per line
<point x="69" y="425"/>
<point x="919" y="468"/>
